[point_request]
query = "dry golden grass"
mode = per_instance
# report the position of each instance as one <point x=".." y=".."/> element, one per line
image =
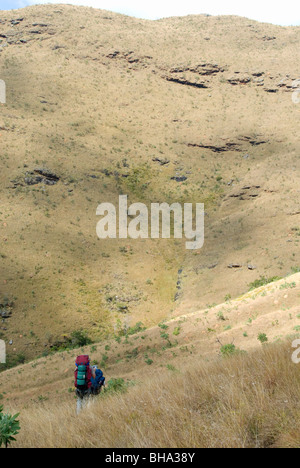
<point x="249" y="400"/>
<point x="78" y="105"/>
<point x="272" y="310"/>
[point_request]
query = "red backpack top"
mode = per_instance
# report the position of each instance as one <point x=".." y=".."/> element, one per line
<point x="83" y="373"/>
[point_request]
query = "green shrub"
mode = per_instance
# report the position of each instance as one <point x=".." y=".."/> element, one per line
<point x="171" y="368"/>
<point x="9" y="427"/>
<point x="117" y="386"/>
<point x="262" y="281"/>
<point x="137" y="328"/>
<point x="228" y="350"/>
<point x="163" y="326"/>
<point x="79" y="338"/>
<point x="262" y="337"/>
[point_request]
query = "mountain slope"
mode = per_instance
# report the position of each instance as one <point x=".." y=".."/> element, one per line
<point x="190" y="396"/>
<point x="272" y="310"/>
<point x="103" y="101"/>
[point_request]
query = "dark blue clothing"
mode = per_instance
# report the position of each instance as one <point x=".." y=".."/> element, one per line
<point x="99" y="380"/>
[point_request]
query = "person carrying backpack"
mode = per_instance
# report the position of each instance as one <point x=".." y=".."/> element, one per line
<point x="98" y="381"/>
<point x="83" y="381"/>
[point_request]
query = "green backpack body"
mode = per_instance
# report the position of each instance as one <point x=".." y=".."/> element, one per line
<point x="81" y="376"/>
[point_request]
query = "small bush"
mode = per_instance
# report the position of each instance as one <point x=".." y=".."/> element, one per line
<point x="117" y="386"/>
<point x="228" y="350"/>
<point x="263" y="281"/>
<point x="137" y="328"/>
<point x="262" y="337"/>
<point x="9" y="427"/>
<point x="79" y="338"/>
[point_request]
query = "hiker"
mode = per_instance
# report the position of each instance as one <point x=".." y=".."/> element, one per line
<point x="83" y="381"/>
<point x="98" y="381"/>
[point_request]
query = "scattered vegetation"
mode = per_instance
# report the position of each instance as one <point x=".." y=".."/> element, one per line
<point x="228" y="350"/>
<point x="262" y="337"/>
<point x="246" y="401"/>
<point x="117" y="386"/>
<point x="77" y="339"/>
<point x="262" y="281"/>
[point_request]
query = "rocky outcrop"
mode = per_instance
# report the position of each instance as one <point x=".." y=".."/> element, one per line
<point x="188" y="75"/>
<point x="254" y="141"/>
<point x="186" y="82"/>
<point x="286" y="84"/>
<point x="258" y="74"/>
<point x="179" y="178"/>
<point x="247" y="192"/>
<point x="6" y="309"/>
<point x="35" y="177"/>
<point x="268" y="38"/>
<point x="238" y="145"/>
<point x="240" y="265"/>
<point x="131" y="57"/>
<point x="239" y="80"/>
<point x="18" y="31"/>
<point x="185" y="75"/>
<point x="230" y="146"/>
<point x="161" y="161"/>
<point x="204" y="69"/>
<point x="261" y="79"/>
<point x="47" y="174"/>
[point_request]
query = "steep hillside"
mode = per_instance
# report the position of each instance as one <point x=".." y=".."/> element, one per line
<point x="272" y="310"/>
<point x="184" y="109"/>
<point x="184" y="383"/>
<point x="247" y="401"/>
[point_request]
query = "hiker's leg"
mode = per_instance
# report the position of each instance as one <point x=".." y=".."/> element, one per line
<point x="79" y="405"/>
<point x="86" y="399"/>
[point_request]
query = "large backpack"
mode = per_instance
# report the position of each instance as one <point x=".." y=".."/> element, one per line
<point x="83" y="373"/>
<point x="99" y="379"/>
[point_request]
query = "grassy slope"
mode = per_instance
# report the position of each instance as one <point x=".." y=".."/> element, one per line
<point x="75" y="109"/>
<point x="251" y="402"/>
<point x="271" y="309"/>
<point x="189" y="396"/>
